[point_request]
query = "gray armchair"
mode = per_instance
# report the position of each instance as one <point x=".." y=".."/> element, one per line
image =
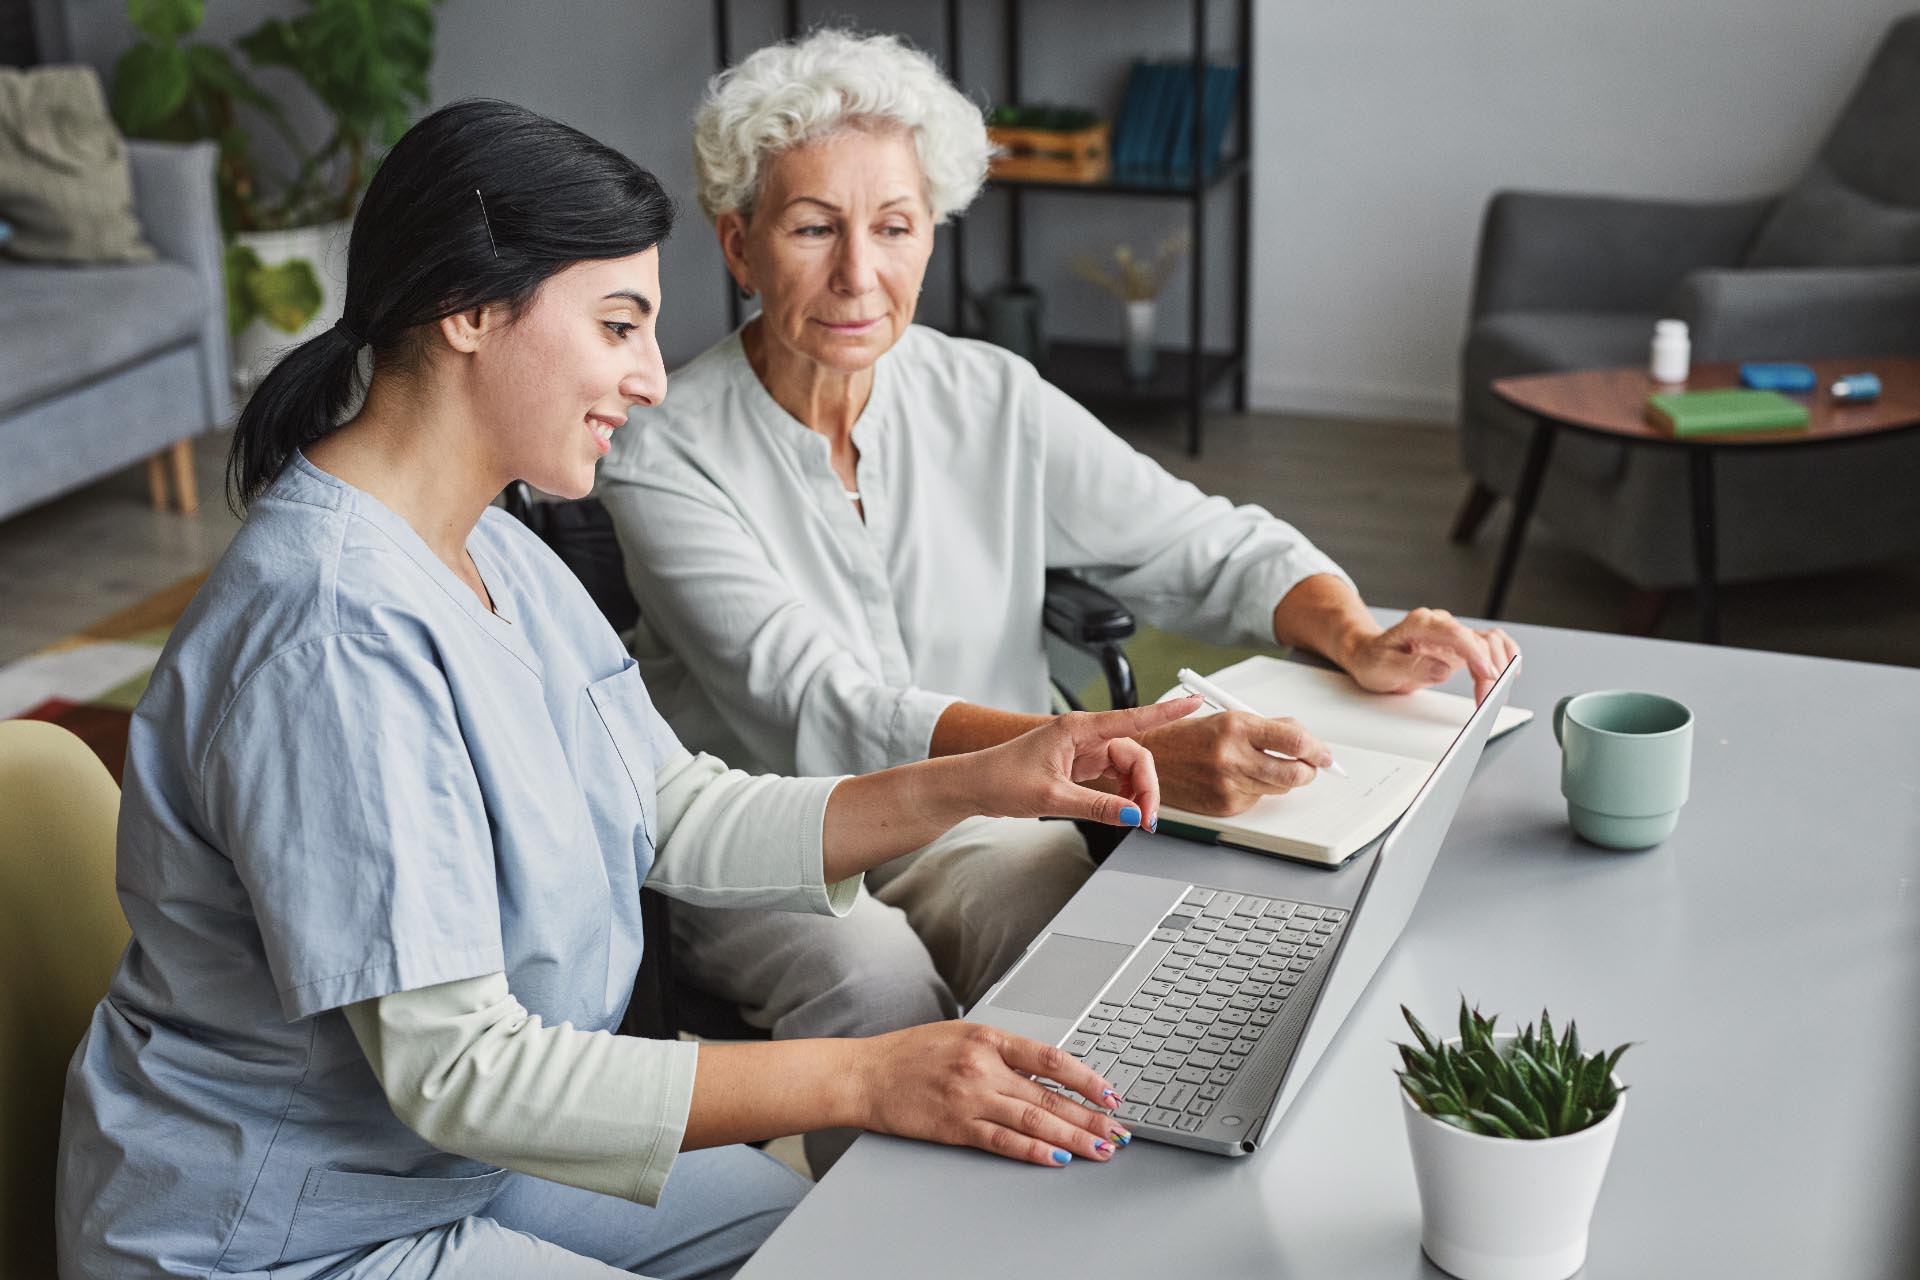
<point x="1830" y="268"/>
<point x="103" y="365"/>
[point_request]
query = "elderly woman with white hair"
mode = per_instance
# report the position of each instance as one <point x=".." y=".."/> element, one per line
<point x="840" y="524"/>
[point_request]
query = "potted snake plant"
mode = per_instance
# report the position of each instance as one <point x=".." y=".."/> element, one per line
<point x="287" y="225"/>
<point x="1511" y="1135"/>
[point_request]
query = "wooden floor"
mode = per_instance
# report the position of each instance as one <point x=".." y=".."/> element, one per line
<point x="1379" y="497"/>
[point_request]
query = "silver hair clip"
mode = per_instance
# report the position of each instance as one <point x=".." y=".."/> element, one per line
<point x="486" y="221"/>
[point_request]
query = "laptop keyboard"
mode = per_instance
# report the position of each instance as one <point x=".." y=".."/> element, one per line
<point x="1172" y="1050"/>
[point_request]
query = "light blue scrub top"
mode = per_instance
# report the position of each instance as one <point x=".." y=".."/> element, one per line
<point x="347" y="778"/>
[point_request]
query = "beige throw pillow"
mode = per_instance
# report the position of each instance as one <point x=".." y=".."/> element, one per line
<point x="64" y="183"/>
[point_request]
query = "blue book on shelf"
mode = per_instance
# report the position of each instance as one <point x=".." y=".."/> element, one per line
<point x="1157" y="138"/>
<point x="1129" y="127"/>
<point x="1179" y="152"/>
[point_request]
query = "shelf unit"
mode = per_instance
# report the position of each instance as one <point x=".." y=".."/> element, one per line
<point x="1094" y="372"/>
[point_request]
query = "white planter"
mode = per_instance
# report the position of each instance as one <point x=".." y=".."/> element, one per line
<point x="259" y="345"/>
<point x="1504" y="1208"/>
<point x="1140" y="353"/>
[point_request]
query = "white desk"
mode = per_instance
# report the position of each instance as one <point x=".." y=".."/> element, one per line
<point x="1767" y="956"/>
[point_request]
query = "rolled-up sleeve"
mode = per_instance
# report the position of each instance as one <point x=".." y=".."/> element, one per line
<point x="468" y="1068"/>
<point x="732" y="839"/>
<point x="785" y="684"/>
<point x="1184" y="560"/>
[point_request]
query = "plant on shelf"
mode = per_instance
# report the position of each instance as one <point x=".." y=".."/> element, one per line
<point x="364" y="61"/>
<point x="1135" y="280"/>
<point x="1511" y="1134"/>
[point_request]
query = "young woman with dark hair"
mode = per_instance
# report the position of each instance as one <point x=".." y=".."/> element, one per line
<point x="395" y="785"/>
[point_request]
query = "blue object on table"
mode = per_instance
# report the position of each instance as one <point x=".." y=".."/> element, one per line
<point x="6" y="231"/>
<point x="1857" y="388"/>
<point x="1777" y="377"/>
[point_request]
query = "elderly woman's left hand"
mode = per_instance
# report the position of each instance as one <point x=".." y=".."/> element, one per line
<point x="1426" y="647"/>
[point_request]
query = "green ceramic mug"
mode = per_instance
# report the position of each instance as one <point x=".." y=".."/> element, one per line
<point x="1624" y="762"/>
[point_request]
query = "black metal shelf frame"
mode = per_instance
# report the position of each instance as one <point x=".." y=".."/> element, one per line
<point x="1082" y="369"/>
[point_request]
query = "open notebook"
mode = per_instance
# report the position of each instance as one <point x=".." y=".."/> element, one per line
<point x="1387" y="743"/>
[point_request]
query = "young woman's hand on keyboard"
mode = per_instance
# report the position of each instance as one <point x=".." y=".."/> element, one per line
<point x="971" y="1085"/>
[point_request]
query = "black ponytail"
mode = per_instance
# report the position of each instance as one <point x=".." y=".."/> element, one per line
<point x="478" y="203"/>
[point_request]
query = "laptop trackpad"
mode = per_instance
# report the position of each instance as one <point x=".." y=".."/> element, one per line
<point x="1063" y="976"/>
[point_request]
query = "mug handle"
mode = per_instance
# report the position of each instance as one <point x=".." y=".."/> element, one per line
<point x="1560" y="718"/>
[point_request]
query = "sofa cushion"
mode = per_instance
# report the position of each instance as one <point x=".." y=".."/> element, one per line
<point x="62" y="326"/>
<point x="1822" y="222"/>
<point x="64" y="182"/>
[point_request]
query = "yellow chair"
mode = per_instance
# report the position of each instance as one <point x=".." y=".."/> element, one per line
<point x="61" y="934"/>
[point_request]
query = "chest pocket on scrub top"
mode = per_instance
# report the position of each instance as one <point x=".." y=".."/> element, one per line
<point x="638" y="736"/>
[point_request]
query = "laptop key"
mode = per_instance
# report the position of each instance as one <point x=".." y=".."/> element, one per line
<point x="1204" y="1060"/>
<point x="1145" y="1094"/>
<point x="1332" y="913"/>
<point x="1186" y="911"/>
<point x="1172" y="1061"/>
<point x="1157" y="1075"/>
<point x="1136" y="1016"/>
<point x="1103" y="1010"/>
<point x="1176" y="1095"/>
<point x="1147" y="1042"/>
<point x="1152" y="988"/>
<point x="1198" y="1108"/>
<point x="1110" y="1044"/>
<point x="1191" y="1075"/>
<point x="1306" y="913"/>
<point x="1260" y="1020"/>
<point x="1167" y="935"/>
<point x="1287" y="979"/>
<point x="1161" y="1116"/>
<point x="1188" y="948"/>
<point x="1137" y="1058"/>
<point x="1220" y="1076"/>
<point x="1080" y="1045"/>
<point x="1279" y="910"/>
<point x="1222" y="905"/>
<point x="1232" y="1061"/>
<point x="1100" y="1062"/>
<point x="1187" y="1124"/>
<point x="1158" y="1026"/>
<point x="1211" y="1092"/>
<point x="1199" y="897"/>
<point x="1238" y="1017"/>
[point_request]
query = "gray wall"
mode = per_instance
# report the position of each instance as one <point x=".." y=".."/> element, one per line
<point x="1384" y="126"/>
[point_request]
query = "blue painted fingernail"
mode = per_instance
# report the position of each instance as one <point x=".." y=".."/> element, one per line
<point x="1062" y="1157"/>
<point x="1130" y="816"/>
<point x="1154" y="825"/>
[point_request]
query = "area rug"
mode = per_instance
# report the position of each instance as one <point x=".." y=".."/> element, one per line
<point x="88" y="683"/>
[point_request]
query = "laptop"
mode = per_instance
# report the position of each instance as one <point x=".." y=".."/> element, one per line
<point x="1206" y="985"/>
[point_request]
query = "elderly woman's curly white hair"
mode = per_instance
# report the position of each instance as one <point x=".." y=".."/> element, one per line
<point x="816" y="86"/>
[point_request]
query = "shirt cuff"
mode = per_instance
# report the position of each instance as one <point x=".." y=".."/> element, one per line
<point x="910" y="733"/>
<point x="675" y="1092"/>
<point x="1254" y="617"/>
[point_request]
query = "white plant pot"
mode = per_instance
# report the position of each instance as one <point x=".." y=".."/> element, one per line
<point x="1505" y="1208"/>
<point x="259" y="345"/>
<point x="1140" y="353"/>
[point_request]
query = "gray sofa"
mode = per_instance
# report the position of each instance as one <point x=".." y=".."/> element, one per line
<point x="101" y="366"/>
<point x="1830" y="268"/>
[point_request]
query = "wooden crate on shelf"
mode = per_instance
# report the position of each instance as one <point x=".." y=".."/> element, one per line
<point x="1050" y="155"/>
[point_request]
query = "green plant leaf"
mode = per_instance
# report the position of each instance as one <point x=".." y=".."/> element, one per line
<point x="240" y="262"/>
<point x="1493" y="1126"/>
<point x="150" y="84"/>
<point x="1419" y="1032"/>
<point x="1570" y="1044"/>
<point x="166" y="19"/>
<point x="1469" y="1124"/>
<point x="286" y="295"/>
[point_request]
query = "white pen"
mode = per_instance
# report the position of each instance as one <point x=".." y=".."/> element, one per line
<point x="1197" y="683"/>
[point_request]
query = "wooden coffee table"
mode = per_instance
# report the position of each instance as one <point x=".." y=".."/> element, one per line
<point x="1613" y="403"/>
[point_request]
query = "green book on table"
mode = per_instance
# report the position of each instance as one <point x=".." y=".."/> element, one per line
<point x="1698" y="413"/>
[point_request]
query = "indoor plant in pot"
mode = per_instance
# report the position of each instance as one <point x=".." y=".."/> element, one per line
<point x="287" y="222"/>
<point x="1135" y="280"/>
<point x="1511" y="1134"/>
